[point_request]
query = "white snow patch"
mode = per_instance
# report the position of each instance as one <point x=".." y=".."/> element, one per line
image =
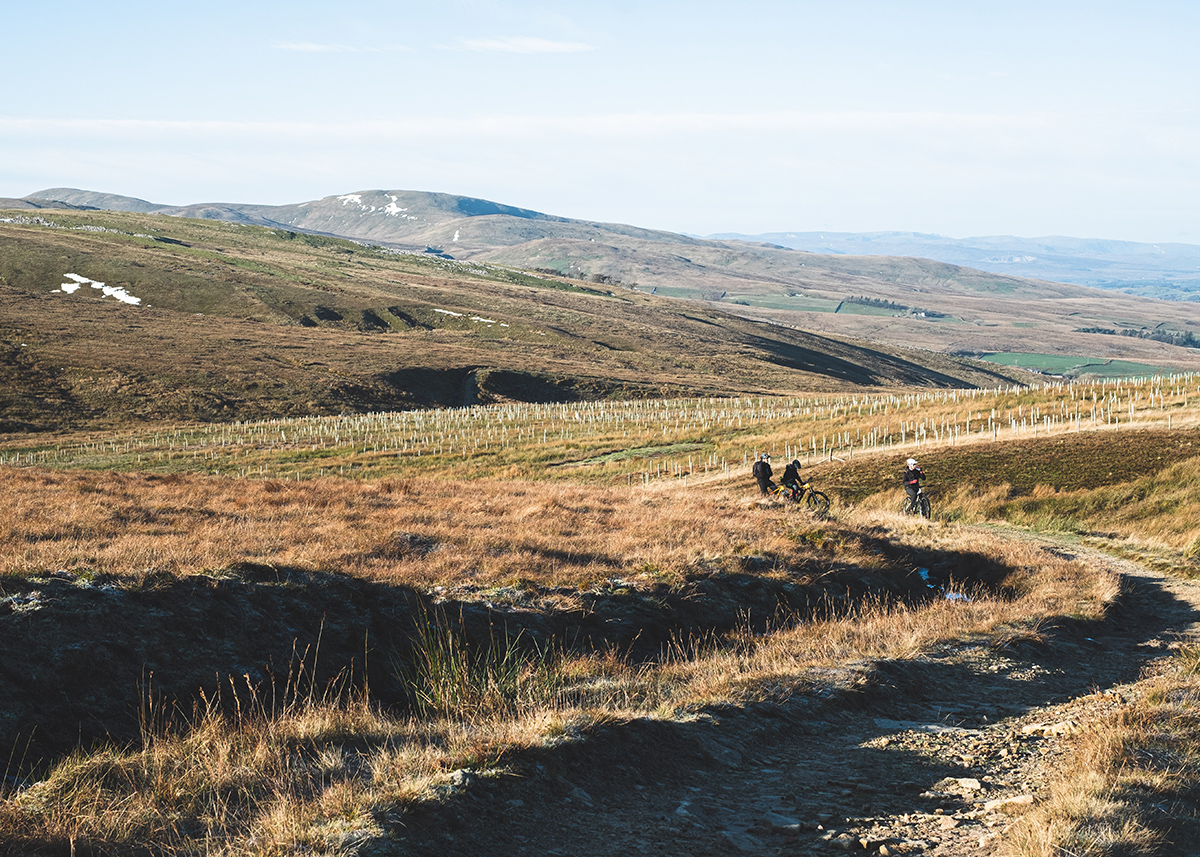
<point x="481" y="318"/>
<point x="355" y="198"/>
<point x="393" y="209"/>
<point x="449" y="312"/>
<point x="456" y="233"/>
<point x="109" y="291"/>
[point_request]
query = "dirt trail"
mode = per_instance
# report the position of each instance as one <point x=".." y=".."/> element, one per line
<point x="920" y="762"/>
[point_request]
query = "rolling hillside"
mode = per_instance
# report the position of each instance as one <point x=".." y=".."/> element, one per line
<point x="900" y="301"/>
<point x="110" y="317"/>
<point x="1152" y="270"/>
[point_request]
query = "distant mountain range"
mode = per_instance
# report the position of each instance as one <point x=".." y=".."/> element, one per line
<point x="465" y="226"/>
<point x="961" y="297"/>
<point x="1169" y="271"/>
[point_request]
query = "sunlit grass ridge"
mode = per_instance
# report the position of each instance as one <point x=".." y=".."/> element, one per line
<point x="624" y="441"/>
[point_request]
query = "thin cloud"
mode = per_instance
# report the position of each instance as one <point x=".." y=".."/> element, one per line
<point x="523" y="45"/>
<point x="1016" y="128"/>
<point x="316" y="48"/>
<point x="522" y="125"/>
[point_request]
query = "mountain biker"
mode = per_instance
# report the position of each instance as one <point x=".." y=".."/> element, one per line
<point x="913" y="475"/>
<point x="762" y="474"/>
<point x="791" y="477"/>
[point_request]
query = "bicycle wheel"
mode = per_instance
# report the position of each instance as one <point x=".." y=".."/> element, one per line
<point x="926" y="509"/>
<point x="907" y="507"/>
<point x="818" y="503"/>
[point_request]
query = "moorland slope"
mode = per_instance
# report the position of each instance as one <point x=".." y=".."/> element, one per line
<point x="896" y="300"/>
<point x="113" y="317"/>
<point x="186" y="657"/>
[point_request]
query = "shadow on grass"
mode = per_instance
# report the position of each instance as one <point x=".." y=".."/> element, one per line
<point x="72" y="666"/>
<point x="77" y="655"/>
<point x="708" y="784"/>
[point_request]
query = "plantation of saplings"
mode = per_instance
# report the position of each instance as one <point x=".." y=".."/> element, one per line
<point x="579" y="628"/>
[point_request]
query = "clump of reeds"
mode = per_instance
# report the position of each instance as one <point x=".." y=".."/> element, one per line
<point x="445" y="676"/>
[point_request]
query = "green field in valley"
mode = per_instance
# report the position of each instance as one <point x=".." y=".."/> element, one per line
<point x="1073" y="365"/>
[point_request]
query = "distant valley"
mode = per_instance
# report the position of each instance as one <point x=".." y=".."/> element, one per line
<point x="1167" y="270"/>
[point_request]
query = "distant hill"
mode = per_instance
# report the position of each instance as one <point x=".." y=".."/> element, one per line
<point x="1169" y="271"/>
<point x="902" y="299"/>
<point x="399" y="217"/>
<point x="108" y="318"/>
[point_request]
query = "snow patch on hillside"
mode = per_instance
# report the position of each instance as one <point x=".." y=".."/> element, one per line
<point x="356" y="198"/>
<point x="77" y="282"/>
<point x="393" y="209"/>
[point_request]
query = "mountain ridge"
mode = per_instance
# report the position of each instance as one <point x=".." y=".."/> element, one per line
<point x="896" y="300"/>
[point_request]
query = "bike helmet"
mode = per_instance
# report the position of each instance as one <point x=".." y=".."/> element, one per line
<point x="796" y="463"/>
<point x="912" y="462"/>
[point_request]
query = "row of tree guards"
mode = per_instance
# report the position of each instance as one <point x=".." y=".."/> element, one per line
<point x="647" y="440"/>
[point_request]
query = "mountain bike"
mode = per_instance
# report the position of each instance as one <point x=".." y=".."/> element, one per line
<point x="918" y="506"/>
<point x="817" y="501"/>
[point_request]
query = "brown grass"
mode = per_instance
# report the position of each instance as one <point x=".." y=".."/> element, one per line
<point x="1129" y="786"/>
<point x="414" y="531"/>
<point x="325" y="771"/>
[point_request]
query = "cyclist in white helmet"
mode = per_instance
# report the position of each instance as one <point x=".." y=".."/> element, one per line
<point x="913" y="475"/>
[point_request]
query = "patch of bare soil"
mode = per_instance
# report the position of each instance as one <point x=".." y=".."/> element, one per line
<point x="932" y="756"/>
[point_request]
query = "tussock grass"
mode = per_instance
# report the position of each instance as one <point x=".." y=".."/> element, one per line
<point x="325" y="770"/>
<point x="446" y="677"/>
<point x="415" y="532"/>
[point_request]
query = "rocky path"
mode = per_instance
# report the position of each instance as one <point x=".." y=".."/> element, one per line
<point x="934" y="758"/>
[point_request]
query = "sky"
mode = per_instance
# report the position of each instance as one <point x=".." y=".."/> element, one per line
<point x="1054" y="117"/>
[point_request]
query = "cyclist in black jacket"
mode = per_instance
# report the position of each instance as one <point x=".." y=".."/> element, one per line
<point x="762" y="474"/>
<point x="791" y="476"/>
<point x="913" y="475"/>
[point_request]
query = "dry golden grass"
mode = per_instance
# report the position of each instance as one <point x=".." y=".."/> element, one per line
<point x="414" y="531"/>
<point x="324" y="771"/>
<point x="1129" y="786"/>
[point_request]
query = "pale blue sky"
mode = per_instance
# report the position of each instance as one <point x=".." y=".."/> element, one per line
<point x="963" y="118"/>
